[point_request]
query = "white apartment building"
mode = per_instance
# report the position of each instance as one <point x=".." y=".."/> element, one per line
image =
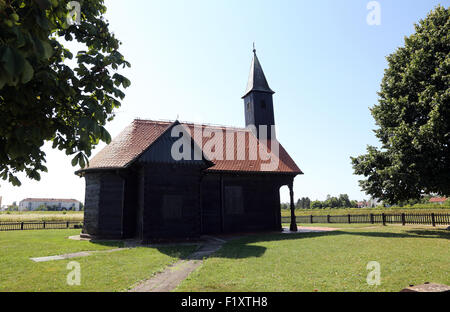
<point x="50" y="203"/>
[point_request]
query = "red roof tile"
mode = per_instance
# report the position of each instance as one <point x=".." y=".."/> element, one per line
<point x="437" y="200"/>
<point x="129" y="144"/>
<point x="140" y="134"/>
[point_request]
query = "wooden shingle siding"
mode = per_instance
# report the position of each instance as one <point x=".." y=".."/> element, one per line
<point x="211" y="205"/>
<point x="169" y="180"/>
<point x="131" y="202"/>
<point x="233" y="200"/>
<point x="91" y="203"/>
<point x="140" y="202"/>
<point x="111" y="205"/>
<point x="260" y="198"/>
<point x="260" y="203"/>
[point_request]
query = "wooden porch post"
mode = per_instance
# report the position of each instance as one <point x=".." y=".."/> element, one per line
<point x="293" y="226"/>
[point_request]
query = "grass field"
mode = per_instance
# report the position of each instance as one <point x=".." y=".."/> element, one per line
<point x="100" y="272"/>
<point x="332" y="261"/>
<point x="19" y="216"/>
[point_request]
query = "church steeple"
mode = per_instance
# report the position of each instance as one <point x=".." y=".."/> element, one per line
<point x="258" y="99"/>
<point x="257" y="80"/>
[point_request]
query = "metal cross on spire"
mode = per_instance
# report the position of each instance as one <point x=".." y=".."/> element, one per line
<point x="254" y="49"/>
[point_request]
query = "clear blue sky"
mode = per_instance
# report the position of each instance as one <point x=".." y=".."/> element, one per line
<point x="192" y="58"/>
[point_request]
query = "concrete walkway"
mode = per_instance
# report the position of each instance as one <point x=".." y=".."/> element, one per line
<point x="74" y="255"/>
<point x="173" y="275"/>
<point x="309" y="229"/>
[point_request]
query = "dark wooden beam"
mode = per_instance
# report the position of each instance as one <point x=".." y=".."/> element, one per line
<point x="293" y="226"/>
<point x="222" y="208"/>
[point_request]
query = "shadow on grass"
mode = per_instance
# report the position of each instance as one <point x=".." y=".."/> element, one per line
<point x="241" y="247"/>
<point x="177" y="250"/>
<point x="109" y="243"/>
<point x="431" y="233"/>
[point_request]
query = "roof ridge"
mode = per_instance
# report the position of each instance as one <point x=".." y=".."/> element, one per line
<point x="167" y="121"/>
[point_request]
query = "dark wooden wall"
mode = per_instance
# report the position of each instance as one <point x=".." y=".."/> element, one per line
<point x="111" y="205"/>
<point x="174" y="181"/>
<point x="258" y="108"/>
<point x="260" y="197"/>
<point x="133" y="203"/>
<point x="91" y="203"/>
<point x="104" y="202"/>
<point x="211" y="209"/>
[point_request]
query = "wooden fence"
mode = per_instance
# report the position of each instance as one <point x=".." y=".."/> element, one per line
<point x="383" y="218"/>
<point x="39" y="225"/>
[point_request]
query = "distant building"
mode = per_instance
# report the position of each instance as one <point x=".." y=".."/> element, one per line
<point x="374" y="202"/>
<point x="362" y="204"/>
<point x="57" y="204"/>
<point x="438" y="200"/>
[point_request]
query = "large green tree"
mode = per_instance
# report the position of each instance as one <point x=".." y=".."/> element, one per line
<point x="42" y="98"/>
<point x="413" y="117"/>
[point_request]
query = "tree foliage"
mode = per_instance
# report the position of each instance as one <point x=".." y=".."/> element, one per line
<point x="342" y="201"/>
<point x="413" y="118"/>
<point x="303" y="203"/>
<point x="44" y="99"/>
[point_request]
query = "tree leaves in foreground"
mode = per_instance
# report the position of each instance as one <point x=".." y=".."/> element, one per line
<point x="41" y="97"/>
<point x="413" y="118"/>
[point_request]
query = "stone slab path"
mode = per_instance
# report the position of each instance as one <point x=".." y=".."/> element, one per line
<point x="74" y="255"/>
<point x="309" y="229"/>
<point x="173" y="275"/>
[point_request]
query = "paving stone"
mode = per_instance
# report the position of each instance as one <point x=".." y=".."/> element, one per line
<point x="427" y="287"/>
<point x="74" y="255"/>
<point x="49" y="258"/>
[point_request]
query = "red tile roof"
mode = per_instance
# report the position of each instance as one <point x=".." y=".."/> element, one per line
<point x="140" y="134"/>
<point x="129" y="144"/>
<point x="437" y="200"/>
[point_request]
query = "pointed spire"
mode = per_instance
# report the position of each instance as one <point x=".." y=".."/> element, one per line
<point x="257" y="80"/>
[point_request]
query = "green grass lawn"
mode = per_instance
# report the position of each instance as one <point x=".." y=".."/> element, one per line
<point x="332" y="261"/>
<point x="99" y="272"/>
